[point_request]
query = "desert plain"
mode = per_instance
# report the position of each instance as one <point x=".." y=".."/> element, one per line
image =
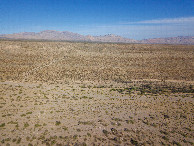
<point x="79" y="93"/>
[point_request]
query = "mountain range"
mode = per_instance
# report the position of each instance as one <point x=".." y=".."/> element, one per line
<point x="70" y="36"/>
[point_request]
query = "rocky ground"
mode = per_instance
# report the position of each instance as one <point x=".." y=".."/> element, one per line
<point x="63" y="93"/>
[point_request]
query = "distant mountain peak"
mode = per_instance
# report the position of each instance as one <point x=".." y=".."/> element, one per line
<point x="170" y="40"/>
<point x="48" y="31"/>
<point x="66" y="35"/>
<point x="70" y="36"/>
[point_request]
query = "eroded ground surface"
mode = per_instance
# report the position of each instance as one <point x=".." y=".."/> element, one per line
<point x="59" y="93"/>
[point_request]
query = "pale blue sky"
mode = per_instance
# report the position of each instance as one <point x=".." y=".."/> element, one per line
<point x="138" y="19"/>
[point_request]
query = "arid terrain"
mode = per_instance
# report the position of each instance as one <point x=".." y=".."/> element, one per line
<point x="68" y="93"/>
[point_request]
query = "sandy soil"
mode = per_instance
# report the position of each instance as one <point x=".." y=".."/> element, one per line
<point x="62" y="93"/>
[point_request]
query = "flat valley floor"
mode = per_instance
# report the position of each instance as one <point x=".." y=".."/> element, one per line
<point x="70" y="93"/>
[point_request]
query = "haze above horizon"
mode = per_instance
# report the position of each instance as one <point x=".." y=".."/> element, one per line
<point x="137" y="19"/>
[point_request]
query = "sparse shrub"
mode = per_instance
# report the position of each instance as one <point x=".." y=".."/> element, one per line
<point x="114" y="131"/>
<point x="27" y="138"/>
<point x="2" y="125"/>
<point x="75" y="137"/>
<point x="86" y="123"/>
<point x="19" y="140"/>
<point x="88" y="134"/>
<point x="165" y="138"/>
<point x="65" y="128"/>
<point x="153" y="124"/>
<point x="164" y="132"/>
<point x="78" y="130"/>
<point x="57" y="123"/>
<point x="105" y="132"/>
<point x="26" y="125"/>
<point x="129" y="121"/>
<point x="134" y="142"/>
<point x="176" y="143"/>
<point x="37" y="125"/>
<point x="23" y="115"/>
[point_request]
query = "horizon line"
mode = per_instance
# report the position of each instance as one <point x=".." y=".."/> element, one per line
<point x="94" y="35"/>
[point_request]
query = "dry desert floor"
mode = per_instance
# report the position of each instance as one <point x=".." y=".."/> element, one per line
<point x="76" y="93"/>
